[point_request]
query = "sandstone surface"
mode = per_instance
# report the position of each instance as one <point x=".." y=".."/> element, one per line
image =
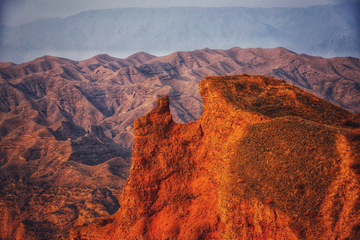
<point x="69" y="124"/>
<point x="265" y="160"/>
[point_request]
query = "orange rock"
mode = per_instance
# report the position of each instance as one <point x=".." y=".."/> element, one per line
<point x="233" y="175"/>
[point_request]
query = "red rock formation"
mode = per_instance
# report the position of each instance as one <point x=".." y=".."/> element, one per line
<point x="69" y="125"/>
<point x="265" y="161"/>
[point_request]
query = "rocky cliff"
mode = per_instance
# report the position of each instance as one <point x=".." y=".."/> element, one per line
<point x="66" y="127"/>
<point x="264" y="161"/>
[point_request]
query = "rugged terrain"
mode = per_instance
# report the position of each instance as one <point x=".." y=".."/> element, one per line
<point x="327" y="30"/>
<point x="66" y="127"/>
<point x="265" y="160"/>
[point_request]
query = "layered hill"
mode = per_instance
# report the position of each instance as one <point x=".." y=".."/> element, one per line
<point x="265" y="160"/>
<point x="69" y="125"/>
<point x="328" y="31"/>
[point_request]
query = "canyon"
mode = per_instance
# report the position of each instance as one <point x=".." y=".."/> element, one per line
<point x="67" y="132"/>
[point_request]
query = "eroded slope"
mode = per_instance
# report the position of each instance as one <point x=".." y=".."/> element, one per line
<point x="265" y="161"/>
<point x="68" y="124"/>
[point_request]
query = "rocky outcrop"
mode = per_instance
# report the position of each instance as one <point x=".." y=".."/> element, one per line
<point x="69" y="124"/>
<point x="264" y="161"/>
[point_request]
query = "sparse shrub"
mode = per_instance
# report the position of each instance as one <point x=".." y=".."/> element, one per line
<point x="356" y="167"/>
<point x="105" y="221"/>
<point x="353" y="135"/>
<point x="351" y="124"/>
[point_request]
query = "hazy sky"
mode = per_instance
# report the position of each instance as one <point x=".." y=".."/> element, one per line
<point x="15" y="12"/>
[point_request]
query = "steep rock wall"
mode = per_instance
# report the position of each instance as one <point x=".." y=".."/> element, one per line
<point x="265" y="161"/>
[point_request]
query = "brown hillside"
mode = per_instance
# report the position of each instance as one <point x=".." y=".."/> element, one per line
<point x="265" y="161"/>
<point x="69" y="124"/>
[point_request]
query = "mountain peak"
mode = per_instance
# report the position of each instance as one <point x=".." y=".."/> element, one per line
<point x="6" y="64"/>
<point x="140" y="57"/>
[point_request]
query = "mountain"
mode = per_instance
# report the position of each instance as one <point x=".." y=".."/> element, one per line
<point x="328" y="31"/>
<point x="265" y="160"/>
<point x="66" y="127"/>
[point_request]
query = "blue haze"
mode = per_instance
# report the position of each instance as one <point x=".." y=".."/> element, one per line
<point x="327" y="30"/>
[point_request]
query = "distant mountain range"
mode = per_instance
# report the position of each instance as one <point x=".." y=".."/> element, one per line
<point x="66" y="127"/>
<point x="327" y="30"/>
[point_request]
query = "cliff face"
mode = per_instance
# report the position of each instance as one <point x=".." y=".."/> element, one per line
<point x="265" y="161"/>
<point x="69" y="125"/>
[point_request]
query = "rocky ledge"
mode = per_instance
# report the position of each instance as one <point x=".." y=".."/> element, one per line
<point x="266" y="160"/>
